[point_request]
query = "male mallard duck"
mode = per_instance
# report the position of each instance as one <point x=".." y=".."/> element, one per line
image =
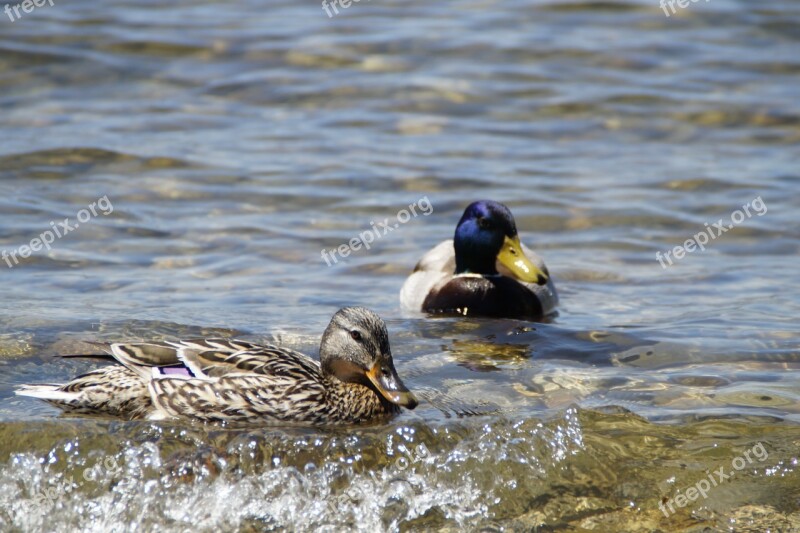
<point x="217" y="380"/>
<point x="484" y="270"/>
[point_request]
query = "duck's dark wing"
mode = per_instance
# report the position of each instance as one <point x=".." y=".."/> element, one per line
<point x="265" y="360"/>
<point x="142" y="357"/>
<point x="267" y="384"/>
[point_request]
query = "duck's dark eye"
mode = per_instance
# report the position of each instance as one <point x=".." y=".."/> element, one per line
<point x="355" y="335"/>
<point x="484" y="223"/>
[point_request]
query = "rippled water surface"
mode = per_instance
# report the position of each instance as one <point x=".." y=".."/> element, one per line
<point x="234" y="141"/>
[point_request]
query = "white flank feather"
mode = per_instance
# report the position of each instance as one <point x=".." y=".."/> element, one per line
<point x="47" y="392"/>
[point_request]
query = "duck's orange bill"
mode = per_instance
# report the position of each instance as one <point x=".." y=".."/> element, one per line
<point x="390" y="386"/>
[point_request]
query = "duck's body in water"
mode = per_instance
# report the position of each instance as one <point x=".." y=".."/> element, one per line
<point x="484" y="271"/>
<point x="218" y="380"/>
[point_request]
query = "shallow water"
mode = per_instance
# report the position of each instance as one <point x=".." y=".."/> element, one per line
<point x="235" y="141"/>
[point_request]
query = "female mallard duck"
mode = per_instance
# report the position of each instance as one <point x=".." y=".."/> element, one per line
<point x="484" y="270"/>
<point x="218" y="380"/>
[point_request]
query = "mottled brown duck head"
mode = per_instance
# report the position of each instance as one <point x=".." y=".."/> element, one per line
<point x="355" y="349"/>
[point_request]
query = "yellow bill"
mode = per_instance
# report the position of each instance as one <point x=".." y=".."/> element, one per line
<point x="514" y="259"/>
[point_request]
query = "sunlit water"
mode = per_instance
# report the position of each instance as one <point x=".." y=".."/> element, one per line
<point x="235" y="141"/>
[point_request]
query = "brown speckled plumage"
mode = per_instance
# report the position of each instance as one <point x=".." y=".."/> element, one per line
<point x="217" y="380"/>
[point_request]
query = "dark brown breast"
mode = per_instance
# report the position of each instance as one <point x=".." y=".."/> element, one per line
<point x="493" y="296"/>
